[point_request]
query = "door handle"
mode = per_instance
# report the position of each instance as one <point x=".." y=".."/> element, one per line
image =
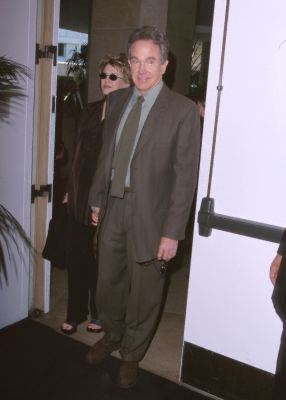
<point x="208" y="220"/>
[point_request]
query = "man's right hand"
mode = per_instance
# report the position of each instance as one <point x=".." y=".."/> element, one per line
<point x="95" y="216"/>
<point x="274" y="268"/>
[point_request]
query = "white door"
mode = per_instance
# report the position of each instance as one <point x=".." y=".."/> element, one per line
<point x="231" y="326"/>
<point x="27" y="152"/>
<point x="17" y="42"/>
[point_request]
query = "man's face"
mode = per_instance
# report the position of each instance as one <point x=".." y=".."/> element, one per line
<point x="145" y="63"/>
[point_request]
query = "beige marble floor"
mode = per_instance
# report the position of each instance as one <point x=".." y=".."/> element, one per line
<point x="164" y="355"/>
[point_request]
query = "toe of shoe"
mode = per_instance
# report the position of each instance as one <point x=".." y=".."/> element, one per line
<point x="93" y="330"/>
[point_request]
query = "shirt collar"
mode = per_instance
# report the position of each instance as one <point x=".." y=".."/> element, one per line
<point x="151" y="95"/>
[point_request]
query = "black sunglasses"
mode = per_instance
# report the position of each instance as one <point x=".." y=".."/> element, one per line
<point x="112" y="77"/>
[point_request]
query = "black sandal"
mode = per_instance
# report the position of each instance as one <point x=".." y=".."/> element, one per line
<point x="98" y="328"/>
<point x="69" y="331"/>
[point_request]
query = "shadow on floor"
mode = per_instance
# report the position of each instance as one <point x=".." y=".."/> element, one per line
<point x="38" y="363"/>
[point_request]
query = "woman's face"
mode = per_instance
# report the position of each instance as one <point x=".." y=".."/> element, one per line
<point x="108" y="85"/>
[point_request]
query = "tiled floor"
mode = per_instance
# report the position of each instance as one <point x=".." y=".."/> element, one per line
<point x="164" y="355"/>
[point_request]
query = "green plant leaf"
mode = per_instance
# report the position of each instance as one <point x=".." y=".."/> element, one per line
<point x="10" y="233"/>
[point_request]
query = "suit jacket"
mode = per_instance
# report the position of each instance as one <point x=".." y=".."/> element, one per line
<point x="282" y="245"/>
<point x="279" y="291"/>
<point x="163" y="172"/>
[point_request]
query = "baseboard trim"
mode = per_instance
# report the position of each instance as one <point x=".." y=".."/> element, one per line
<point x="223" y="377"/>
<point x="202" y="392"/>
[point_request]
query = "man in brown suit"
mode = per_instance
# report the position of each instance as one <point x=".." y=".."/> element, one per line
<point x="142" y="219"/>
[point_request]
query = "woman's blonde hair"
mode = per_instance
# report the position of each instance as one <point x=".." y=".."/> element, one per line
<point x="120" y="62"/>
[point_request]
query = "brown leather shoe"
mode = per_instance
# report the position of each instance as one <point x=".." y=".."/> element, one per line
<point x="128" y="374"/>
<point x="100" y="351"/>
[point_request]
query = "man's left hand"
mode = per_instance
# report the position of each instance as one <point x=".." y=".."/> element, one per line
<point x="167" y="248"/>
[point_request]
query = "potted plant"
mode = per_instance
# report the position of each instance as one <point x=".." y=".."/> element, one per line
<point x="11" y="93"/>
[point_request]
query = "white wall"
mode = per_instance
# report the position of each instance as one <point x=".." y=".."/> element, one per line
<point x="229" y="308"/>
<point x="17" y="42"/>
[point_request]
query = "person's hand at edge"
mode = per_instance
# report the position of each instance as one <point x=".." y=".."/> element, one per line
<point x="274" y="268"/>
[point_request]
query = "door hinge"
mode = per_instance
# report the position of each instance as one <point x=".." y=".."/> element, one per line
<point x="48" y="51"/>
<point x="41" y="191"/>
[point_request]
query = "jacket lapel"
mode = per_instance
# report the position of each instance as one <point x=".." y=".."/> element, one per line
<point x="117" y="109"/>
<point x="156" y="112"/>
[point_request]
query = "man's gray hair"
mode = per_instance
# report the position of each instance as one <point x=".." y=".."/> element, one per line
<point x="150" y="33"/>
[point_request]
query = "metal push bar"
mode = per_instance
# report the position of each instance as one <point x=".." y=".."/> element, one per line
<point x="208" y="220"/>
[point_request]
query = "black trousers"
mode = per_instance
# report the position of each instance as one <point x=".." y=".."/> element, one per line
<point x="82" y="272"/>
<point x="279" y="392"/>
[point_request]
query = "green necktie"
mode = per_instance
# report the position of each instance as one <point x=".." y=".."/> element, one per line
<point x="124" y="149"/>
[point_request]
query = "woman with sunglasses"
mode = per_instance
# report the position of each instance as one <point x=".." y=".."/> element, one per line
<point x="81" y="265"/>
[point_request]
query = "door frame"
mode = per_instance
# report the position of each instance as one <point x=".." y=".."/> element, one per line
<point x="43" y="150"/>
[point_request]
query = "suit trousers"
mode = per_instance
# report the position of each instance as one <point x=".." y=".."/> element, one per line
<point x="129" y="294"/>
